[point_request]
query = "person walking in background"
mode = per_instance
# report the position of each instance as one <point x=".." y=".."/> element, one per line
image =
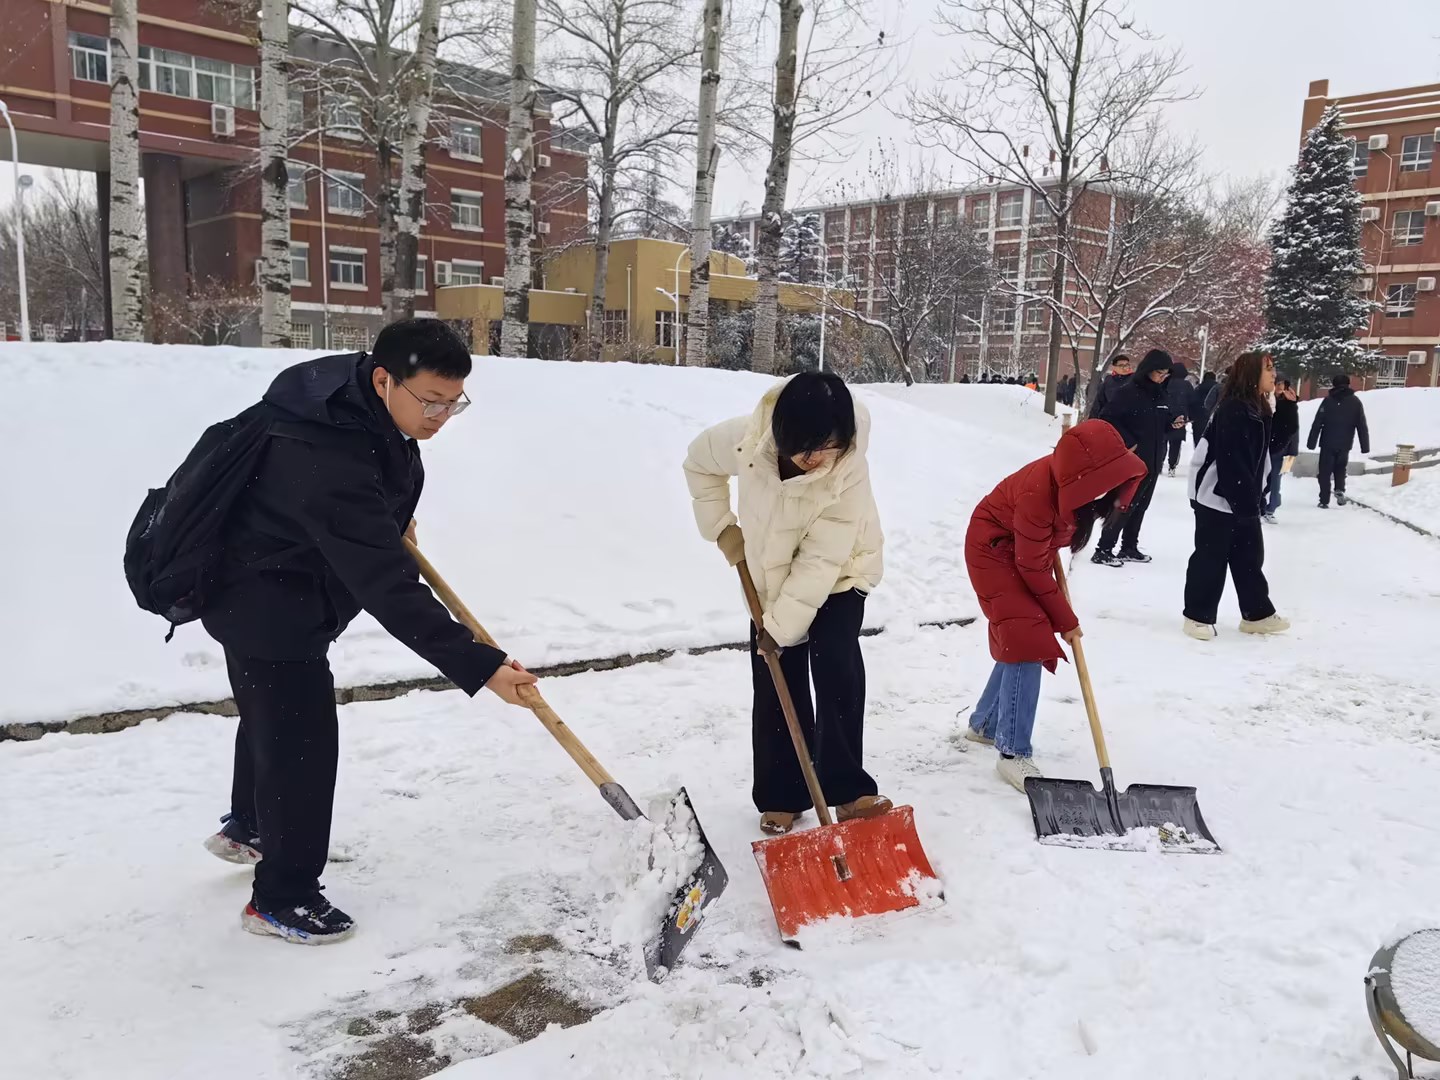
<point x="1120" y="369"/>
<point x="1284" y="441"/>
<point x="1339" y="419"/>
<point x="1014" y="537"/>
<point x="1139" y="411"/>
<point x="1229" y="474"/>
<point x="1199" y="411"/>
<point x="1177" y="395"/>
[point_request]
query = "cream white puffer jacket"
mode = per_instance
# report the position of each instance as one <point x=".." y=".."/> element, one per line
<point x="807" y="538"/>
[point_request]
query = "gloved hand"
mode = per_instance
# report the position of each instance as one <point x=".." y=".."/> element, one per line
<point x="732" y="544"/>
<point x="765" y="645"/>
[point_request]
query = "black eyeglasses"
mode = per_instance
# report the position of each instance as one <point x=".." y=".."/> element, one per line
<point x="433" y="409"/>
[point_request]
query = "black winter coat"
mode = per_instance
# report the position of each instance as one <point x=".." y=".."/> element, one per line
<point x="1108" y="385"/>
<point x="1199" y="411"/>
<point x="1140" y="411"/>
<point x="1285" y="427"/>
<point x="1177" y="393"/>
<point x="1339" y="419"/>
<point x="1231" y="467"/>
<point x="326" y="512"/>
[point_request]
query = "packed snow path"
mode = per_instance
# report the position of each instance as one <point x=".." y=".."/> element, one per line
<point x="1315" y="756"/>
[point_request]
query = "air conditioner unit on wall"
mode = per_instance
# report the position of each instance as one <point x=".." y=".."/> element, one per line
<point x="1369" y="213"/>
<point x="1437" y="135"/>
<point x="1379" y="142"/>
<point x="442" y="274"/>
<point x="543" y="228"/>
<point x="1425" y="284"/>
<point x="222" y="121"/>
<point x="1432" y="209"/>
<point x="1416" y="356"/>
<point x="542" y="161"/>
<point x="498" y="281"/>
<point x="1364" y="284"/>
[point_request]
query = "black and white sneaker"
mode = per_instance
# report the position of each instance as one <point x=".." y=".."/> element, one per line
<point x="1324" y="506"/>
<point x="1105" y="558"/>
<point x="236" y="842"/>
<point x="1133" y="555"/>
<point x="1340" y="498"/>
<point x="315" y="922"/>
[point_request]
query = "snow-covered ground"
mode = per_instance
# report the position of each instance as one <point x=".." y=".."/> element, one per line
<point x="1417" y="501"/>
<point x="464" y="827"/>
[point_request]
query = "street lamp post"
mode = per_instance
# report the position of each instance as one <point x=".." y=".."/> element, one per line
<point x="21" y="183"/>
<point x="683" y="252"/>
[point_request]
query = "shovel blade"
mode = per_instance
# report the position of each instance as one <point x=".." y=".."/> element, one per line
<point x="688" y="906"/>
<point x="1073" y="812"/>
<point x="866" y="866"/>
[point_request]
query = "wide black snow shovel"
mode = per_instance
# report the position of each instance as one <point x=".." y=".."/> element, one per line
<point x="701" y="889"/>
<point x="1072" y="813"/>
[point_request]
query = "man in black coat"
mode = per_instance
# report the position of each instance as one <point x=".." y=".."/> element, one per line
<point x="1339" y="419"/>
<point x="316" y="538"/>
<point x="1284" y="441"/>
<point x="1140" y="411"/>
<point x="1177" y="398"/>
<point x="1120" y="369"/>
<point x="1199" y="409"/>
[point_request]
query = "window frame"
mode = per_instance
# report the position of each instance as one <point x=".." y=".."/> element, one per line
<point x="294" y="255"/>
<point x="462" y="155"/>
<point x="347" y="182"/>
<point x="309" y="335"/>
<point x="1005" y="201"/>
<point x="666" y="327"/>
<point x="296" y="178"/>
<point x="615" y="326"/>
<point x="1413" y="235"/>
<point x="1398" y="303"/>
<point x="331" y="263"/>
<point x="1421" y="157"/>
<point x="1359" y="158"/>
<point x="478" y="205"/>
<point x="479" y="274"/>
<point x="94" y="57"/>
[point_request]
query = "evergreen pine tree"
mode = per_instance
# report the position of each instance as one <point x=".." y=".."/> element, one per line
<point x="724" y="238"/>
<point x="800" y="248"/>
<point x="1311" y="306"/>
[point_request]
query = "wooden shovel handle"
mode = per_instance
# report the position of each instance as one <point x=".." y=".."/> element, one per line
<point x="1087" y="691"/>
<point x="787" y="703"/>
<point x="528" y="694"/>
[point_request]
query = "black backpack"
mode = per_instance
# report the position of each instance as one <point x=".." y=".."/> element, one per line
<point x="174" y="547"/>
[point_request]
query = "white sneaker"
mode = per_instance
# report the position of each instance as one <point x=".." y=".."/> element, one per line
<point x="1199" y="631"/>
<point x="971" y="735"/>
<point x="1014" y="770"/>
<point x="1273" y="625"/>
<point x="1269" y="519"/>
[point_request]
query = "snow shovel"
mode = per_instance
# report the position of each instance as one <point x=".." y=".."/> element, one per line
<point x="1071" y="813"/>
<point x="864" y="866"/>
<point x="704" y="886"/>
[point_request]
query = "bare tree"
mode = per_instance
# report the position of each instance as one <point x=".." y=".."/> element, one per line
<point x="274" y="179"/>
<point x="420" y="95"/>
<point x="211" y="312"/>
<point x="707" y="152"/>
<point x="63" y="267"/>
<point x="1071" y="77"/>
<point x="519" y="161"/>
<point x="125" y="240"/>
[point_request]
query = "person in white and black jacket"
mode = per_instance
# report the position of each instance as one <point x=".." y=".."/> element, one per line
<point x="1229" y="482"/>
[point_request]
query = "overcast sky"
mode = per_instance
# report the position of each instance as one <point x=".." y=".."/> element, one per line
<point x="1252" y="59"/>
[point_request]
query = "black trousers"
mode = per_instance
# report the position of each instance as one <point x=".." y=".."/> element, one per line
<point x="1177" y="440"/>
<point x="834" y="732"/>
<point x="286" y="750"/>
<point x="1224" y="540"/>
<point x="1333" y="464"/>
<point x="1126" y="527"/>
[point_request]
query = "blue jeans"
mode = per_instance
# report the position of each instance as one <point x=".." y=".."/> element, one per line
<point x="1006" y="709"/>
<point x="1276" y="460"/>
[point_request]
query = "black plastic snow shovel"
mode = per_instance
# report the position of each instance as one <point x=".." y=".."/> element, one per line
<point x="693" y="898"/>
<point x="1072" y="813"/>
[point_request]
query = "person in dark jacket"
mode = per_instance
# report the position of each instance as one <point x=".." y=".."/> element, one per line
<point x="1284" y="441"/>
<point x="1229" y="476"/>
<point x="316" y="538"/>
<point x="1199" y="411"/>
<point x="1177" y="397"/>
<point x="1121" y="368"/>
<point x="1139" y="410"/>
<point x="1339" y="419"/>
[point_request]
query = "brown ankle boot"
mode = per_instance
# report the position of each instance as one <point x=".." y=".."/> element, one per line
<point x="867" y="806"/>
<point x="777" y="822"/>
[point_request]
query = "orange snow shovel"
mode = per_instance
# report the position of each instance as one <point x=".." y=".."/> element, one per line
<point x="864" y="866"/>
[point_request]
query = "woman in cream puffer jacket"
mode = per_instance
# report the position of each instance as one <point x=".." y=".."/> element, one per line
<point x="812" y="540"/>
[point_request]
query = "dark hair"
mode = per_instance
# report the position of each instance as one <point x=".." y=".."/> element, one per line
<point x="1286" y="384"/>
<point x="410" y="346"/>
<point x="1086" y="517"/>
<point x="1340" y="380"/>
<point x="814" y="411"/>
<point x="1244" y="381"/>
<point x="1120" y="358"/>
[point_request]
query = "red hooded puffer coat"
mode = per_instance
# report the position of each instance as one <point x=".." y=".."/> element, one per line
<point x="1017" y="529"/>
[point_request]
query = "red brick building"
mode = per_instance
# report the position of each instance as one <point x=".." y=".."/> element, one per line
<point x="1398" y="175"/>
<point x="198" y="131"/>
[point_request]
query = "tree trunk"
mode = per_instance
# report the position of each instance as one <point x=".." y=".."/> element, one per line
<point x="777" y="180"/>
<point x="519" y="162"/>
<point x="1057" y="288"/>
<point x="411" y="211"/>
<point x="274" y="176"/>
<point x="697" y="322"/>
<point x="385" y="216"/>
<point x="603" y="223"/>
<point x="125" y="240"/>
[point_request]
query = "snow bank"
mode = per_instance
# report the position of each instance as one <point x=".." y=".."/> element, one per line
<point x="1417" y="502"/>
<point x="555" y="506"/>
<point x="1398" y="415"/>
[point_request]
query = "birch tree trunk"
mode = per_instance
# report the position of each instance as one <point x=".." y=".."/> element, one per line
<point x="411" y="213"/>
<point x="604" y="224"/>
<point x="385" y="216"/>
<point x="519" y="162"/>
<point x="777" y="180"/>
<point x="125" y="240"/>
<point x="697" y="322"/>
<point x="274" y="176"/>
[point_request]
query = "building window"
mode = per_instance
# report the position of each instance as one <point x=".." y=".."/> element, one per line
<point x="1012" y="210"/>
<point x="615" y="324"/>
<point x="835" y="227"/>
<point x="1359" y="158"/>
<point x="835" y="269"/>
<point x="349" y="338"/>
<point x="420" y="263"/>
<point x="1041" y="263"/>
<point x="1417" y="152"/>
<point x="347" y="268"/>
<point x="1409" y="228"/>
<point x="467" y="273"/>
<point x="1391" y="371"/>
<point x="1400" y="301"/>
<point x="1008" y="267"/>
<point x="465" y="209"/>
<point x="1002" y="317"/>
<point x="344" y="193"/>
<point x="179" y="74"/>
<point x="665" y="329"/>
<point x="860" y="224"/>
<point x="302" y="335"/>
<point x="296" y="194"/>
<point x="295" y="114"/>
<point x="945" y="214"/>
<point x="1035" y="316"/>
<point x="980" y="210"/>
<point x="90" y="58"/>
<point x="342" y="117"/>
<point x="299" y="263"/>
<point x="1040" y="211"/>
<point x="464" y="140"/>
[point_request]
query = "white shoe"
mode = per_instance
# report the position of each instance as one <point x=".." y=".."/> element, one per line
<point x="1014" y="770"/>
<point x="971" y="735"/>
<point x="1199" y="631"/>
<point x="1273" y="625"/>
<point x="1269" y="519"/>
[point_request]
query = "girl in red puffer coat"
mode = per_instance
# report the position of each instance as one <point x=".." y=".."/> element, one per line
<point x="1010" y="551"/>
